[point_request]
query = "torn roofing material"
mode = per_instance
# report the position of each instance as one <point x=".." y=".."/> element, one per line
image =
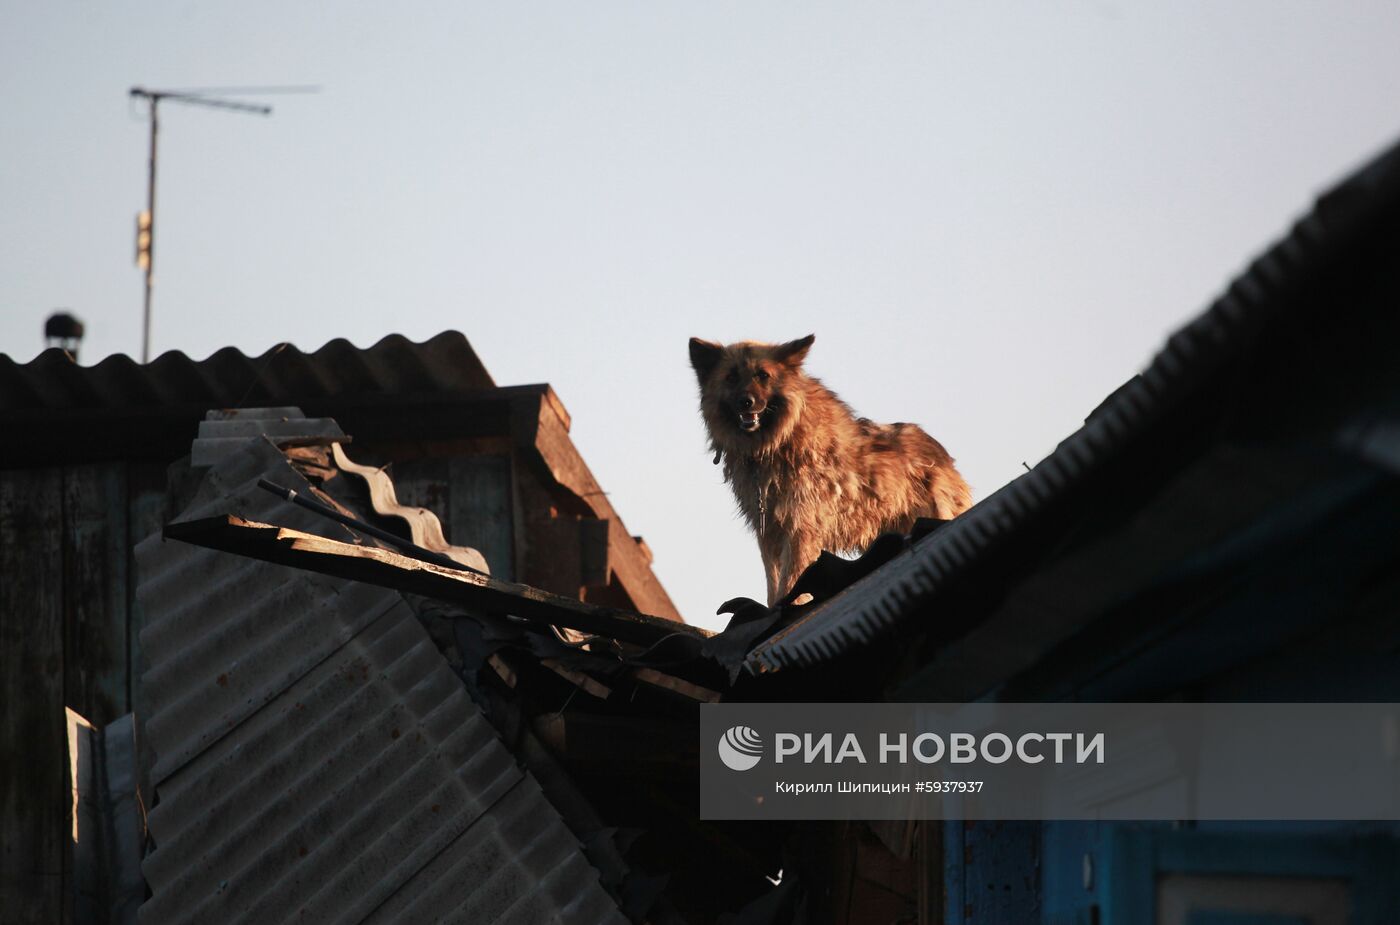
<point x="1197" y="354"/>
<point x="316" y="757"/>
<point x="387" y="568"/>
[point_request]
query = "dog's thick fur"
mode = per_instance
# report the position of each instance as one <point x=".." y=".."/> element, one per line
<point x="807" y="473"/>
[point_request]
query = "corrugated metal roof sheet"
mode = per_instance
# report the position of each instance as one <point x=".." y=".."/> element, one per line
<point x="1191" y="356"/>
<point x="283" y="375"/>
<point x="317" y="759"/>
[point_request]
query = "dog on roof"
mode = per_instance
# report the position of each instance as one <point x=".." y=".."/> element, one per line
<point x="807" y="473"/>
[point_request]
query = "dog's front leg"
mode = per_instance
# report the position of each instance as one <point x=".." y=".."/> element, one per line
<point x="789" y="567"/>
<point x="783" y="576"/>
<point x="797" y="554"/>
<point x="772" y="568"/>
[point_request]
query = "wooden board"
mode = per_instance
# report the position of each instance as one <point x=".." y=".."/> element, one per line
<point x="392" y="570"/>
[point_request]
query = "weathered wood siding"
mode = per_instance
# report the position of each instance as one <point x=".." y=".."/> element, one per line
<point x="33" y="772"/>
<point x="70" y="623"/>
<point x="68" y="630"/>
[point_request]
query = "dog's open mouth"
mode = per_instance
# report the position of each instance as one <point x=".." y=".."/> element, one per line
<point x="748" y="421"/>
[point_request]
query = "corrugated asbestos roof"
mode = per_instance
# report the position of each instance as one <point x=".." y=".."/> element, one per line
<point x="283" y="375"/>
<point x="316" y="757"/>
<point x="1191" y="356"/>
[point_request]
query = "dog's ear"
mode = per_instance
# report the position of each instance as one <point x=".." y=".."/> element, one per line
<point x="794" y="351"/>
<point x="703" y="356"/>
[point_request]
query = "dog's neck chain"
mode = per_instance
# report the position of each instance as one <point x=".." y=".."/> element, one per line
<point x="762" y="491"/>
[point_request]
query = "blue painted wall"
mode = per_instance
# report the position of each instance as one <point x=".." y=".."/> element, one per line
<point x="1088" y="873"/>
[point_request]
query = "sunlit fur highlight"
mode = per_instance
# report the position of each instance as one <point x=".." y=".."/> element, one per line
<point x="831" y="480"/>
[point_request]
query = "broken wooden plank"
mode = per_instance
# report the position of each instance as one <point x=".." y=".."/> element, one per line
<point x="677" y="685"/>
<point x="578" y="678"/>
<point x="503" y="670"/>
<point x="388" y="569"/>
<point x="105" y="819"/>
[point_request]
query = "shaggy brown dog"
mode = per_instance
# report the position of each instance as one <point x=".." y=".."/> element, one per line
<point x="807" y="473"/>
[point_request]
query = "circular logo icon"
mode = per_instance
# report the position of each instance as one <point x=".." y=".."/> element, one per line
<point x="740" y="748"/>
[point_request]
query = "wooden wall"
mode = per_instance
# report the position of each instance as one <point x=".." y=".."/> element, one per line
<point x="68" y="628"/>
<point x="69" y="621"/>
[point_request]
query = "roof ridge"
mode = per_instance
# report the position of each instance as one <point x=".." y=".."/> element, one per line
<point x="282" y="374"/>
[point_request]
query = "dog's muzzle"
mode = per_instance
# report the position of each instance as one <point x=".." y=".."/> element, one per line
<point x="748" y="421"/>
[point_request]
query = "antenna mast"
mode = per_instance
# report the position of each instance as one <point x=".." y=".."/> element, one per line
<point x="146" y="221"/>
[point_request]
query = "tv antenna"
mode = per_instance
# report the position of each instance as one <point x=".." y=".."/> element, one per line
<point x="146" y="221"/>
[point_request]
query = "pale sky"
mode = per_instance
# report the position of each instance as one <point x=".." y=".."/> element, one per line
<point x="990" y="214"/>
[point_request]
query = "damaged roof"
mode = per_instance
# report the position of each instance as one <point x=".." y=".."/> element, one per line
<point x="1202" y="352"/>
<point x="316" y="756"/>
<point x="434" y="395"/>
